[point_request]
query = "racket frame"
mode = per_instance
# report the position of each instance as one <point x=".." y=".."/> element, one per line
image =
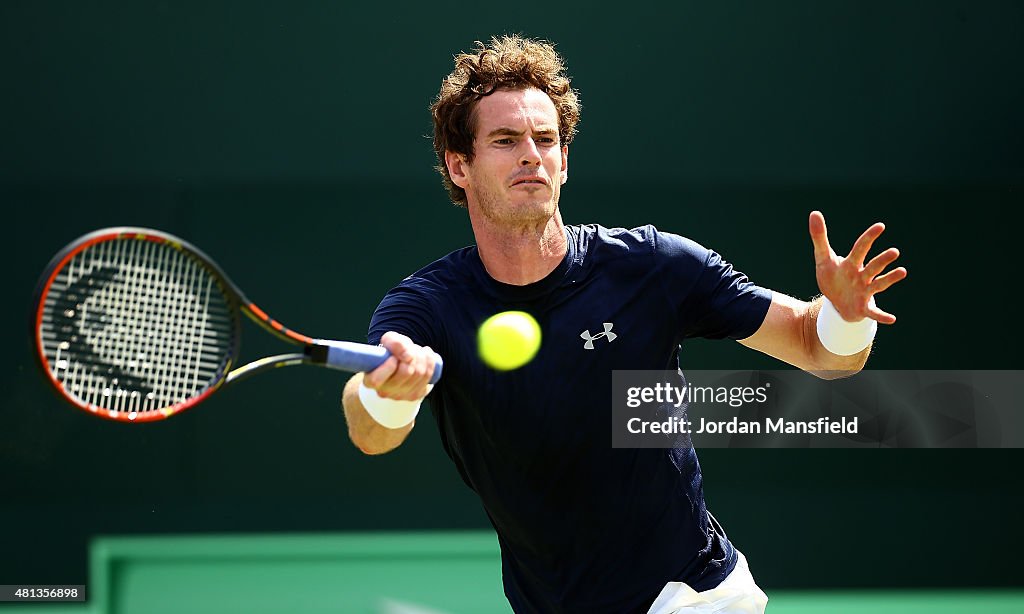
<point x="315" y="351"/>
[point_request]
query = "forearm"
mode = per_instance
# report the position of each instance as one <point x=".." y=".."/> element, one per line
<point x="790" y="333"/>
<point x="366" y="433"/>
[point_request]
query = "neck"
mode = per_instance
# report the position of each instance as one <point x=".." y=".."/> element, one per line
<point x="520" y="255"/>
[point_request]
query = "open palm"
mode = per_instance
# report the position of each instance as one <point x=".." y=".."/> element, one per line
<point x="849" y="283"/>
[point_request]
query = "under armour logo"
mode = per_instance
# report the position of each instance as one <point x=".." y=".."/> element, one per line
<point x="589" y="345"/>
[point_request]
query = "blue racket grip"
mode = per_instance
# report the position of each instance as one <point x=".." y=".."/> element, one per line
<point x="353" y="357"/>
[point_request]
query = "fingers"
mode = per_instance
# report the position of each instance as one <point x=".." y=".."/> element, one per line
<point x="376" y="378"/>
<point x="411" y="379"/>
<point x="882" y="317"/>
<point x="398" y="344"/>
<point x="819" y="237"/>
<point x="406" y="374"/>
<point x="882" y="283"/>
<point x="879" y="262"/>
<point x="863" y="244"/>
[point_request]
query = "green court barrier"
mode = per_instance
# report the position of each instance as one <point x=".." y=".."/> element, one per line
<point x="381" y="573"/>
<point x="390" y="573"/>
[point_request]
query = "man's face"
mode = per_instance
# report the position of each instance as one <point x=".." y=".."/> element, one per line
<point x="518" y="166"/>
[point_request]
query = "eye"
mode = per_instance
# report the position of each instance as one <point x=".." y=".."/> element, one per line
<point x="505" y="141"/>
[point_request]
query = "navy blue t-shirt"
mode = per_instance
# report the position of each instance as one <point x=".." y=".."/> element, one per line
<point x="582" y="526"/>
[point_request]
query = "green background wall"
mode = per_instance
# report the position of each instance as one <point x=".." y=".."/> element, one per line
<point x="290" y="141"/>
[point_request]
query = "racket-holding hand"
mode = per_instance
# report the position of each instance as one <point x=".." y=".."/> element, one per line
<point x="381" y="405"/>
<point x="405" y="375"/>
<point x="848" y="283"/>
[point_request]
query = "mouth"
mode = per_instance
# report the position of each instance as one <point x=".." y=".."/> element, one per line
<point x="533" y="180"/>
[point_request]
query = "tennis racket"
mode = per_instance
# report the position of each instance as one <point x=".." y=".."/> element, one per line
<point x="136" y="325"/>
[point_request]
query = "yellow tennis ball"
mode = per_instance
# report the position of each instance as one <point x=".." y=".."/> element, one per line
<point x="508" y="340"/>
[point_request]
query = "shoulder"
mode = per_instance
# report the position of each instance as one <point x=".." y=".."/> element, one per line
<point x="648" y="241"/>
<point x="439" y="276"/>
<point x="415" y="305"/>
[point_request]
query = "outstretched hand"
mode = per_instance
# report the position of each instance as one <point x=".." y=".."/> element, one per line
<point x="849" y="283"/>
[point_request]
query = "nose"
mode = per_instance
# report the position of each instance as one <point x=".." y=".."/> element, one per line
<point x="530" y="155"/>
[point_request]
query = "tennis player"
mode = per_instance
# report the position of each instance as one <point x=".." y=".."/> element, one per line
<point x="582" y="527"/>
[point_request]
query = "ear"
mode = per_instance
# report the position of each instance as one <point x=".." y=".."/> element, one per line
<point x="456" y="164"/>
<point x="565" y="164"/>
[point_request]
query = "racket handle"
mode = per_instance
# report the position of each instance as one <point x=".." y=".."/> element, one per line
<point x="348" y="356"/>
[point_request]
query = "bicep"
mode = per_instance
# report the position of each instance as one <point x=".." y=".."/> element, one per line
<point x="783" y="334"/>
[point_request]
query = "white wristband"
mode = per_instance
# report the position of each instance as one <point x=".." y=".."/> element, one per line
<point x="841" y="337"/>
<point x="389" y="413"/>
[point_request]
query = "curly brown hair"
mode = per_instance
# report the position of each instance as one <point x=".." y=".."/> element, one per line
<point x="509" y="62"/>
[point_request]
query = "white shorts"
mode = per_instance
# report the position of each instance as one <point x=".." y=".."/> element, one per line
<point x="737" y="594"/>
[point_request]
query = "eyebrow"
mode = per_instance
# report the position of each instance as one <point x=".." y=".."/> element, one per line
<point x="510" y="132"/>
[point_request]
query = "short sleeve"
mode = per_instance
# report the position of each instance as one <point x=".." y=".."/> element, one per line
<point x="712" y="299"/>
<point x="406" y="309"/>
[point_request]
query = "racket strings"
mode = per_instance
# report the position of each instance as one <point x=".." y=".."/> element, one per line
<point x="136" y="326"/>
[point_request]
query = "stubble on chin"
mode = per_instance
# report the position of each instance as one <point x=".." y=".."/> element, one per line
<point x="500" y="209"/>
